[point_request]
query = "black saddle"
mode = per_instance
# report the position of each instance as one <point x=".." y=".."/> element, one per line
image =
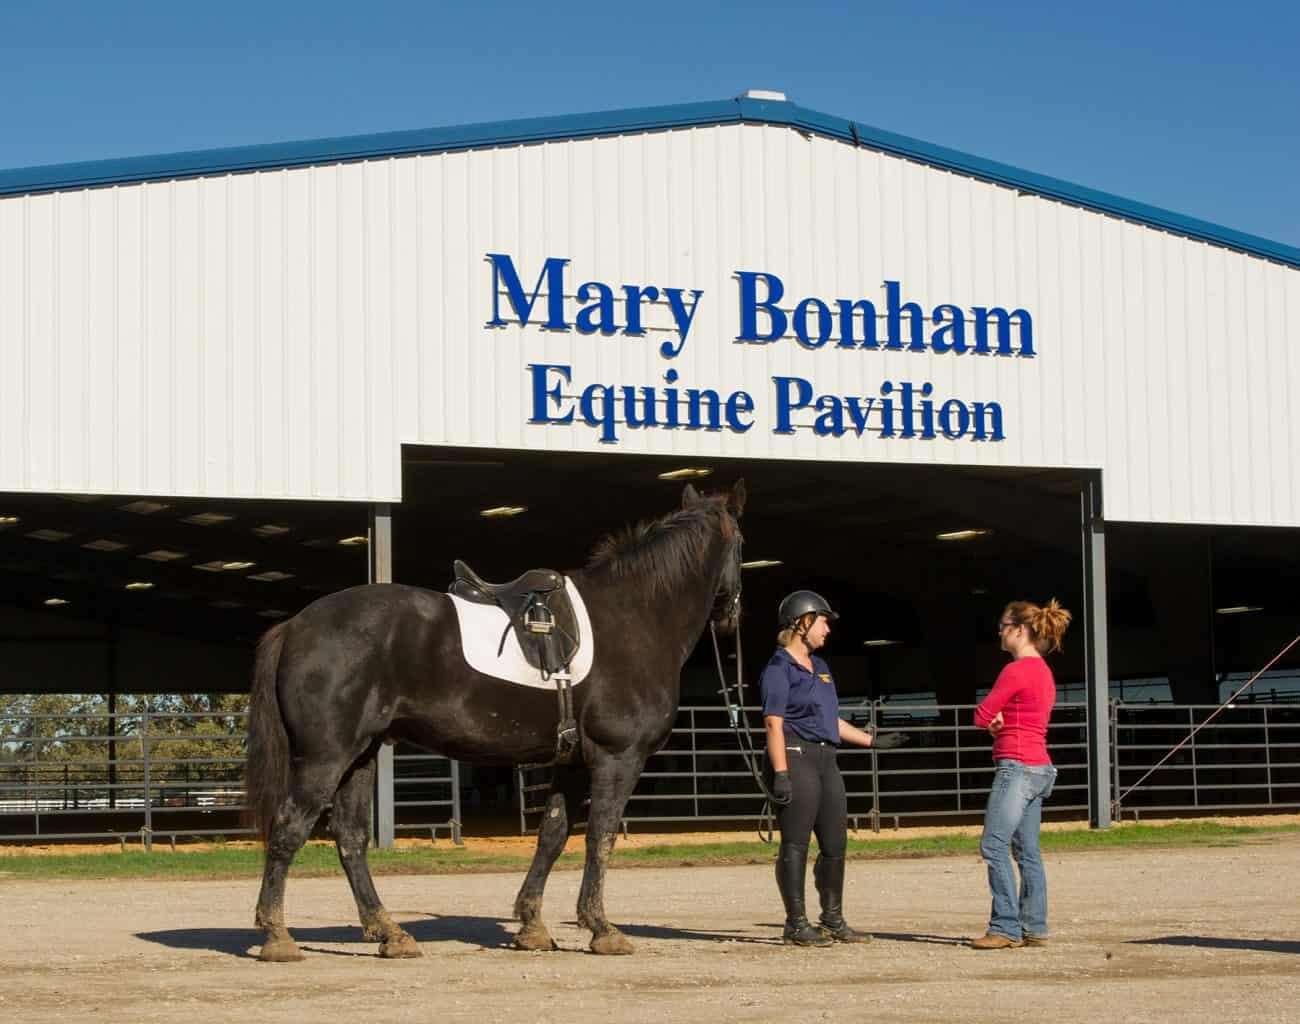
<point x="538" y="608"/>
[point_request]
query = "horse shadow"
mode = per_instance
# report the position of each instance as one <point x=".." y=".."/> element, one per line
<point x="1217" y="942"/>
<point x="486" y="932"/>
<point x="243" y="943"/>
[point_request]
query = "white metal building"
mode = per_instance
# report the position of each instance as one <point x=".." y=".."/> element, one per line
<point x="742" y="284"/>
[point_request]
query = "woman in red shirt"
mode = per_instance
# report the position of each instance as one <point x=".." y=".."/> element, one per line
<point x="1016" y="713"/>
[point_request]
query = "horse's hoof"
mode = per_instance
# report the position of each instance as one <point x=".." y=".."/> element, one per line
<point x="400" y="947"/>
<point x="280" y="951"/>
<point x="372" y="934"/>
<point x="613" y="943"/>
<point x="534" y="937"/>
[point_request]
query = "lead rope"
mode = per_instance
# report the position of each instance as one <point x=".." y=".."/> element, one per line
<point x="1119" y="801"/>
<point x="741" y="727"/>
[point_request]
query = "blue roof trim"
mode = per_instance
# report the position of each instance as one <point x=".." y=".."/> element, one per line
<point x="100" y="173"/>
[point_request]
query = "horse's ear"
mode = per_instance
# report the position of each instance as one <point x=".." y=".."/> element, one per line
<point x="690" y="496"/>
<point x="736" y="500"/>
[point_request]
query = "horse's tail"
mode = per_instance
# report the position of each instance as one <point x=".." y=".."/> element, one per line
<point x="266" y="772"/>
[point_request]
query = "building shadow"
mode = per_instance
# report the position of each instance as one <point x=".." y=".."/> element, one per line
<point x="1215" y="942"/>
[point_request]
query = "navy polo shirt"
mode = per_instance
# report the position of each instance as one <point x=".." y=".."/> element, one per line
<point x="806" y="700"/>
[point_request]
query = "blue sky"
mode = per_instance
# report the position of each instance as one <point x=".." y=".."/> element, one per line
<point x="1189" y="106"/>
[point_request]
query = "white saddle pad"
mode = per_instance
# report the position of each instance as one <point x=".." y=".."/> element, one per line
<point x="481" y="626"/>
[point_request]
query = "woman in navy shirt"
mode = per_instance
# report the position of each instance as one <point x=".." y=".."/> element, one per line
<point x="804" y="731"/>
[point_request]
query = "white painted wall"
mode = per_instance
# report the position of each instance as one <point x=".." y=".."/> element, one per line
<point x="279" y="334"/>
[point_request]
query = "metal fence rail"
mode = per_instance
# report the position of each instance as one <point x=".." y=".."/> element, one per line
<point x="1248" y="759"/>
<point x="426" y="793"/>
<point x="148" y="775"/>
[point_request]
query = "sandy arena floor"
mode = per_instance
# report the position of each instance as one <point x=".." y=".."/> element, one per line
<point x="1148" y="935"/>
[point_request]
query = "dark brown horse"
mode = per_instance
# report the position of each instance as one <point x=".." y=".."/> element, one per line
<point x="384" y="662"/>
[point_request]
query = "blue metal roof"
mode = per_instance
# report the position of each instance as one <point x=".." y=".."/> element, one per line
<point x="748" y="110"/>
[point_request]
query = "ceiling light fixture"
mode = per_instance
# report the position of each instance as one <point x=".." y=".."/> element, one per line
<point x="143" y="508"/>
<point x="270" y="530"/>
<point x="689" y="473"/>
<point x="55" y="602"/>
<point x="139" y="585"/>
<point x="881" y="643"/>
<point x="104" y="545"/>
<point x="8" y="520"/>
<point x="352" y="542"/>
<point x="207" y="518"/>
<point x="762" y="563"/>
<point x="51" y="535"/>
<point x="1239" y="609"/>
<point x="271" y="576"/>
<point x="237" y="566"/>
<point x="163" y="555"/>
<point x="962" y="534"/>
<point x="503" y="511"/>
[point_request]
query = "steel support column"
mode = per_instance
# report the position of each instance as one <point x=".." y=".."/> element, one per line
<point x="381" y="571"/>
<point x="1096" y="670"/>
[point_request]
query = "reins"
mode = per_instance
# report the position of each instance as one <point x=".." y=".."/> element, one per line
<point x="736" y="716"/>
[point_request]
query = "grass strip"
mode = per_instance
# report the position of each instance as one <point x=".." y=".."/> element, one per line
<point x="319" y="859"/>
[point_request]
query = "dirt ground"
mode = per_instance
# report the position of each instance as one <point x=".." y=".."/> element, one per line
<point x="1210" y="933"/>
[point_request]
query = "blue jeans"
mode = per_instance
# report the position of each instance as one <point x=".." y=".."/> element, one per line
<point x="1011" y="821"/>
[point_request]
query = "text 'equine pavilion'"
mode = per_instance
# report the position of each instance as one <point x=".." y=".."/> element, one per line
<point x="947" y="382"/>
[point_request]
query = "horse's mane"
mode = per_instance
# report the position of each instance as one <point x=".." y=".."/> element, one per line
<point x="668" y="550"/>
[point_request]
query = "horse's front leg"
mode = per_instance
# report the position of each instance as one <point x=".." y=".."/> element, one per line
<point x="613" y="778"/>
<point x="562" y="806"/>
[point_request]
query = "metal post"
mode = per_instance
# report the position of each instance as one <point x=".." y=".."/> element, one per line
<point x="1096" y="670"/>
<point x="114" y="631"/>
<point x="381" y="571"/>
<point x="455" y="804"/>
<point x="147" y="831"/>
<point x="1114" y="753"/>
<point x="1268" y="759"/>
<point x="875" y="770"/>
<point x="695" y="767"/>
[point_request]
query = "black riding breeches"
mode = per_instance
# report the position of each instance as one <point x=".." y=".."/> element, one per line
<point x="819" y="805"/>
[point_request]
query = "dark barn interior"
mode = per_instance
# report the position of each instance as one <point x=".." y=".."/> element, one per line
<point x="131" y="594"/>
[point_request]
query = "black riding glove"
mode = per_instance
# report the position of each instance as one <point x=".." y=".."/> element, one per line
<point x="782" y="788"/>
<point x="889" y="740"/>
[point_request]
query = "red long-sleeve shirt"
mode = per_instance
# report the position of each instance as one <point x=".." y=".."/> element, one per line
<point x="1025" y="693"/>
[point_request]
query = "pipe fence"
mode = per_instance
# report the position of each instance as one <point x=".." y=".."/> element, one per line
<point x="148" y="775"/>
<point x="151" y="775"/>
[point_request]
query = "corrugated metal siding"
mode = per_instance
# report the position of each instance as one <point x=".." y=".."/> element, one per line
<point x="280" y="333"/>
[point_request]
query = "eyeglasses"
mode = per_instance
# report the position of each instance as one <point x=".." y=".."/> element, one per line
<point x="1006" y="625"/>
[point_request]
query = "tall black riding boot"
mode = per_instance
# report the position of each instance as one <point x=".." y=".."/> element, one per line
<point x="791" y="875"/>
<point x="828" y="874"/>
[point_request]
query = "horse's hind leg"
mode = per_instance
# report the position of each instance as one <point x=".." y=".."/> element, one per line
<point x="562" y="807"/>
<point x="350" y="824"/>
<point x="308" y="794"/>
<point x="612" y="780"/>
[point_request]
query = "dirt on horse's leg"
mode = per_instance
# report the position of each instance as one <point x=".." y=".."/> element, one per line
<point x="350" y="824"/>
<point x="612" y="783"/>
<point x="289" y="831"/>
<point x="566" y="792"/>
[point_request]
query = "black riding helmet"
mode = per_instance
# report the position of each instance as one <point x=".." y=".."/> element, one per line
<point x="803" y="602"/>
